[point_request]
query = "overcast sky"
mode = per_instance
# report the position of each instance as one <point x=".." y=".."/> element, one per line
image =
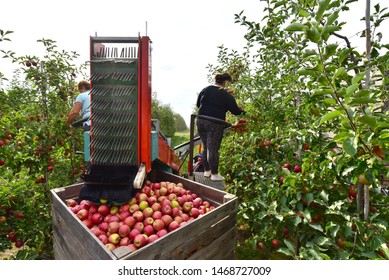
<point x="185" y="34"/>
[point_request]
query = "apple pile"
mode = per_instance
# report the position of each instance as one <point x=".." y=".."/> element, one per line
<point x="157" y="209"/>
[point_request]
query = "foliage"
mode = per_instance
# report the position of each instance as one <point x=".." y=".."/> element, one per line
<point x="310" y="103"/>
<point x="180" y="123"/>
<point x="38" y="151"/>
<point x="165" y="115"/>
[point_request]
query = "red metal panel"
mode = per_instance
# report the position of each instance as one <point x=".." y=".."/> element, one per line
<point x="144" y="94"/>
<point x="167" y="155"/>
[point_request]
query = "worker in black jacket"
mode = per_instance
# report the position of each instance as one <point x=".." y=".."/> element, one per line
<point x="214" y="101"/>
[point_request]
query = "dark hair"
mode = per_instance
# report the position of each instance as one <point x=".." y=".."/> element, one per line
<point x="84" y="84"/>
<point x="221" y="78"/>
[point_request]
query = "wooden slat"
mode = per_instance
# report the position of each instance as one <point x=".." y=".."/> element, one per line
<point x="73" y="240"/>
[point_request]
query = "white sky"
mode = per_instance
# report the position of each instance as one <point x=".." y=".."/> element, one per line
<point x="185" y="34"/>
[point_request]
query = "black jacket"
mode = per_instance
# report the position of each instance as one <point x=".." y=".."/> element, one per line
<point x="215" y="102"/>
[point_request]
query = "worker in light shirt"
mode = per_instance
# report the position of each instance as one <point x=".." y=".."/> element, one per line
<point x="81" y="105"/>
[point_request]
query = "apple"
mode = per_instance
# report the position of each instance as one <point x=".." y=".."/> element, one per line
<point x="82" y="214"/>
<point x="103" y="238"/>
<point x="12" y="236"/>
<point x="96" y="230"/>
<point x="172" y="196"/>
<point x="156" y="186"/>
<point x="124" y="230"/>
<point x="114" y="218"/>
<point x="151" y="200"/>
<point x="103" y="209"/>
<point x="93" y="209"/>
<point x="19" y="243"/>
<point x="176" y="212"/>
<point x="134" y="207"/>
<point x="114" y="238"/>
<point x="132" y="201"/>
<point x="194" y="212"/>
<point x="197" y="202"/>
<point x="130" y="221"/>
<point x="287" y="166"/>
<point x="167" y="219"/>
<point x="156" y="215"/>
<point x="297" y="169"/>
<point x="178" y="219"/>
<point x="103" y="226"/>
<point x="140" y="240"/>
<point x="97" y="218"/>
<point x="125" y="241"/>
<point x="166" y="210"/>
<point x="161" y="232"/>
<point x="142" y="197"/>
<point x="185" y="217"/>
<point x="132" y="247"/>
<point x="187" y="206"/>
<point x="175" y="203"/>
<point x="275" y="243"/>
<point x="139" y="226"/>
<point x="162" y="191"/>
<point x="148" y="229"/>
<point x="110" y="246"/>
<point x="143" y="204"/>
<point x="113" y="227"/>
<point x="148" y="221"/>
<point x="88" y="223"/>
<point x="124" y="208"/>
<point x="138" y="216"/>
<point x="134" y="232"/>
<point x="124" y="215"/>
<point x="114" y="210"/>
<point x="156" y="206"/>
<point x="71" y="202"/>
<point x="173" y="225"/>
<point x="158" y="224"/>
<point x="152" y="238"/>
<point x="75" y="209"/>
<point x="180" y="200"/>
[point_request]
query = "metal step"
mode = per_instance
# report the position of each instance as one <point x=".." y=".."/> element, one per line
<point x="199" y="177"/>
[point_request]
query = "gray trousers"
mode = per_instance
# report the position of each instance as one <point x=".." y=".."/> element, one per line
<point x="211" y="134"/>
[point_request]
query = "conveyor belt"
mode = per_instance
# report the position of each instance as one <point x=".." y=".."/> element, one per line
<point x="199" y="177"/>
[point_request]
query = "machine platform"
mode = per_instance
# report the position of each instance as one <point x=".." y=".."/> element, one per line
<point x="199" y="177"/>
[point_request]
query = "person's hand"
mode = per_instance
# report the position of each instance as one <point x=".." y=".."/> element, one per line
<point x="239" y="125"/>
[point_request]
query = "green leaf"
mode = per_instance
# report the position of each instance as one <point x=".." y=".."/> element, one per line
<point x="332" y="18"/>
<point x="350" y="145"/>
<point x="321" y="240"/>
<point x="329" y="101"/>
<point x="306" y="72"/>
<point x="339" y="72"/>
<point x="285" y="251"/>
<point x="358" y="77"/>
<point x="363" y="101"/>
<point x="296" y="26"/>
<point x="313" y="34"/>
<point x="332" y="229"/>
<point x="369" y="120"/>
<point x="351" y="89"/>
<point x="330" y="50"/>
<point x="323" y="195"/>
<point x="343" y="55"/>
<point x="289" y="245"/>
<point x="316" y="226"/>
<point x="323" y="5"/>
<point x="330" y="115"/>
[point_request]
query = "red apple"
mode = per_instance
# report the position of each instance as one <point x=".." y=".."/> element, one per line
<point x="96" y="230"/>
<point x="97" y="218"/>
<point x="156" y="206"/>
<point x="130" y="221"/>
<point x="103" y="226"/>
<point x="82" y="214"/>
<point x="297" y="169"/>
<point x="138" y="216"/>
<point x="167" y="219"/>
<point x="134" y="232"/>
<point x="161" y="232"/>
<point x="194" y="212"/>
<point x="110" y="246"/>
<point x="124" y="230"/>
<point x="166" y="210"/>
<point x="173" y="225"/>
<point x="88" y="223"/>
<point x="148" y="230"/>
<point x="157" y="215"/>
<point x="103" y="209"/>
<point x="158" y="224"/>
<point x="148" y="221"/>
<point x="152" y="238"/>
<point x="71" y="202"/>
<point x="125" y="241"/>
<point x="113" y="227"/>
<point x="139" y="226"/>
<point x="140" y="240"/>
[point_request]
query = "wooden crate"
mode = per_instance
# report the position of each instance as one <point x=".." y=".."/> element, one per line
<point x="211" y="236"/>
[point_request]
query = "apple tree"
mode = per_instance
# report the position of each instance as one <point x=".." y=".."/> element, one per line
<point x="309" y="168"/>
<point x="37" y="150"/>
